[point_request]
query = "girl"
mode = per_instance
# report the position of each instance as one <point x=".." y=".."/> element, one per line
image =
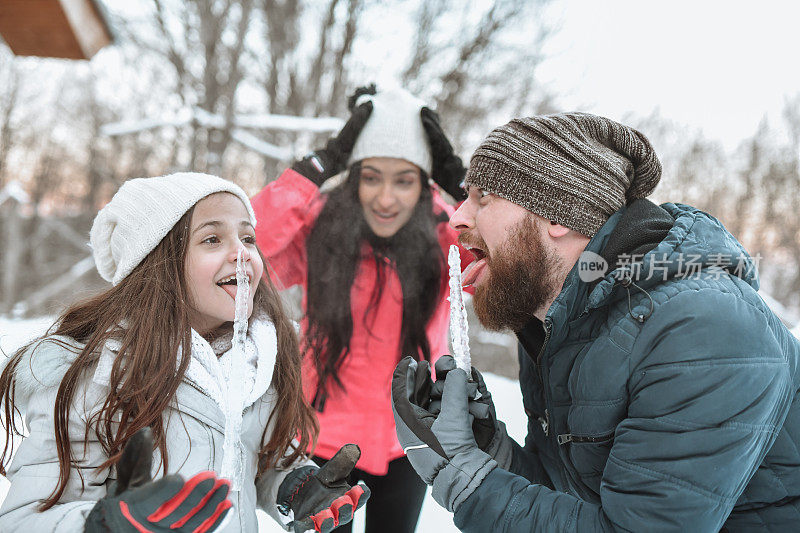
<point x="370" y="257"/>
<point x="157" y="351"/>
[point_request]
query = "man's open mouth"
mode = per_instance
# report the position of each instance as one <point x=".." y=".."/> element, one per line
<point x="473" y="270"/>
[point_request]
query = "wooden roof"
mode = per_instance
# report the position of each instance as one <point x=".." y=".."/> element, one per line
<point x="69" y="29"/>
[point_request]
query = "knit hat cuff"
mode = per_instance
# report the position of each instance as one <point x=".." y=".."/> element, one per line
<point x="537" y="196"/>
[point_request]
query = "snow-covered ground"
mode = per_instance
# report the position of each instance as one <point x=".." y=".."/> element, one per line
<point x="434" y="519"/>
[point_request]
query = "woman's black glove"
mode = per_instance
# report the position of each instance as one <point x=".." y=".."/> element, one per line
<point x="136" y="503"/>
<point x="320" y="498"/>
<point x="321" y="164"/>
<point x="447" y="171"/>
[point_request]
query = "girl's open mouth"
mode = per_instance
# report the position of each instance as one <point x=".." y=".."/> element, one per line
<point x="229" y="285"/>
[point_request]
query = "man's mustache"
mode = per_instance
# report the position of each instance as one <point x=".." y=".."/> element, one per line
<point x="470" y="241"/>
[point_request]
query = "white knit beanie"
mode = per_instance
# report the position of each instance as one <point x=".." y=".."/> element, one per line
<point x="143" y="211"/>
<point x="394" y="129"/>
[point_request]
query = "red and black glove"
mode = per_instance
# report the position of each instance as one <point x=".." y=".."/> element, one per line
<point x="320" y="498"/>
<point x="136" y="504"/>
<point x="323" y="163"/>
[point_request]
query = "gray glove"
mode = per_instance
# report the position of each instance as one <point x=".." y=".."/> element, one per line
<point x="442" y="449"/>
<point x="489" y="432"/>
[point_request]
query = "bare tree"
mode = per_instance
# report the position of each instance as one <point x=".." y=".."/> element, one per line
<point x="456" y="59"/>
<point x="204" y="51"/>
<point x="751" y="189"/>
<point x="8" y="102"/>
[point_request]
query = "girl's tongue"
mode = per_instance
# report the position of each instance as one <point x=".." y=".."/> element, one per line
<point x="230" y="289"/>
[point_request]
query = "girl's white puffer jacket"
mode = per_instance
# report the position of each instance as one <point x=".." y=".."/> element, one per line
<point x="195" y="425"/>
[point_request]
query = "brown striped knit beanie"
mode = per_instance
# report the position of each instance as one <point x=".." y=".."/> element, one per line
<point x="574" y="169"/>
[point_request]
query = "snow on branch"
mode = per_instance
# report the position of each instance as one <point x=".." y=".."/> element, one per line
<point x="135" y="126"/>
<point x="262" y="147"/>
<point x="212" y="120"/>
<point x="289" y="123"/>
<point x="14" y="190"/>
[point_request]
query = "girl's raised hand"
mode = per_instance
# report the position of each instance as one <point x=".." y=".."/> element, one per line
<point x="320" y="498"/>
<point x="137" y="504"/>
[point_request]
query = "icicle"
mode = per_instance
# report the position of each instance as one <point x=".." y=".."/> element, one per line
<point x="242" y="299"/>
<point x="232" y="461"/>
<point x="458" y="314"/>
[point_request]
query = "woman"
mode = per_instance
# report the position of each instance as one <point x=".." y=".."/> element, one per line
<point x="370" y="257"/>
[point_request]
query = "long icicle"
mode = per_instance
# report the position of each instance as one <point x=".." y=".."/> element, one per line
<point x="458" y="314"/>
<point x="232" y="461"/>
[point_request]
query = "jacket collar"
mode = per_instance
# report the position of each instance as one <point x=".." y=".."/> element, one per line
<point x="531" y="337"/>
<point x="205" y="370"/>
<point x="665" y="253"/>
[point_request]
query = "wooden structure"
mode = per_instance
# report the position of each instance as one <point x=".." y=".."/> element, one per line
<point x="68" y="29"/>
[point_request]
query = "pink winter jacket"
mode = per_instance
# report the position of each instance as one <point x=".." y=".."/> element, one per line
<point x="286" y="211"/>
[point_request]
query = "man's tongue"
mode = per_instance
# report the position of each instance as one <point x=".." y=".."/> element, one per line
<point x="472" y="272"/>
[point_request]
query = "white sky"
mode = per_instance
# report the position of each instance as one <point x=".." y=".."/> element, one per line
<point x="713" y="65"/>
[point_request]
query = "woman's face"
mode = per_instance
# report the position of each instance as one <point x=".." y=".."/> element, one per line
<point x="219" y="227"/>
<point x="388" y="190"/>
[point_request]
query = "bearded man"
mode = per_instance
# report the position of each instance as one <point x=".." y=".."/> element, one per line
<point x="661" y="392"/>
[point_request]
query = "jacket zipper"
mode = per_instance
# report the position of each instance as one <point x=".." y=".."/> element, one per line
<point x="566" y="477"/>
<point x="198" y="389"/>
<point x="548" y="328"/>
<point x="207" y="395"/>
<point x="569" y="437"/>
<point x="546" y="421"/>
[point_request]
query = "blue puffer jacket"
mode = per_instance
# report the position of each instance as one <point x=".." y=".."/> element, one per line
<point x="657" y="399"/>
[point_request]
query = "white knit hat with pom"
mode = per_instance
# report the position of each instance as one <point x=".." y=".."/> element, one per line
<point x="394" y="129"/>
<point x="143" y="211"/>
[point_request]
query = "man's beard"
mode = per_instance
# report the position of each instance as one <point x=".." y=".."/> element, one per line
<point x="522" y="279"/>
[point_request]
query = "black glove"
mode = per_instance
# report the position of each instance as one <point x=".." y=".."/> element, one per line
<point x="447" y="171"/>
<point x="490" y="433"/>
<point x="320" y="498"/>
<point x="321" y="164"/>
<point x="170" y="505"/>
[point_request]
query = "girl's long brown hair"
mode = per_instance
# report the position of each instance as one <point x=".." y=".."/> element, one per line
<point x="148" y="313"/>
